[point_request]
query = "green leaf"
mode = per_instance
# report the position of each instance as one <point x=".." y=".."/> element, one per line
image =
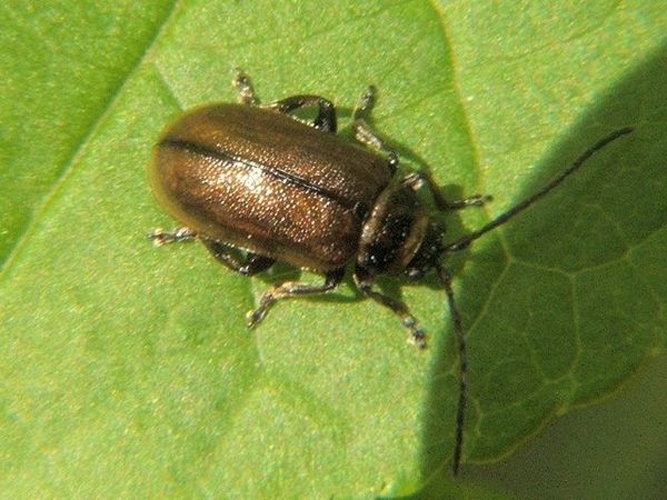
<point x="129" y="371"/>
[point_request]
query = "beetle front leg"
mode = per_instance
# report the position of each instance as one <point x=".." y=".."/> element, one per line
<point x="325" y="120"/>
<point x="416" y="180"/>
<point x="293" y="289"/>
<point x="368" y="137"/>
<point x="365" y="283"/>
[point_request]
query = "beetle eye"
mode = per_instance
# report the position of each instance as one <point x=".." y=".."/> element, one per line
<point x="428" y="253"/>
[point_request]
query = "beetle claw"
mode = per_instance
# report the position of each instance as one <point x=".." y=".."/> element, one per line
<point x="161" y="237"/>
<point x="418" y="338"/>
<point x="254" y="317"/>
<point x="417" y="335"/>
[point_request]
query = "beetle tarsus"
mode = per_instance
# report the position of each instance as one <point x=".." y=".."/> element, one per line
<point x="161" y="237"/>
<point x="476" y="200"/>
<point x="243" y="84"/>
<point x="417" y="338"/>
<point x="417" y="335"/>
<point x="365" y="284"/>
<point x="255" y="316"/>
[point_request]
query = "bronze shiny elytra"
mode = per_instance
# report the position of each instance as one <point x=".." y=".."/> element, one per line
<point x="256" y="185"/>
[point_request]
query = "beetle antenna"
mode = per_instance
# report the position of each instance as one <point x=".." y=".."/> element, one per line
<point x="446" y="281"/>
<point x="521" y="206"/>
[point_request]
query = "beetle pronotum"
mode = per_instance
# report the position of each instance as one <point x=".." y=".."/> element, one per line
<point x="249" y="178"/>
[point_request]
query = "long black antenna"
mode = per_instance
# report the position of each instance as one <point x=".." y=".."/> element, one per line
<point x="521" y="206"/>
<point x="446" y="281"/>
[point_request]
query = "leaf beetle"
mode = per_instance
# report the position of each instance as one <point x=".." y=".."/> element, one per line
<point x="257" y="185"/>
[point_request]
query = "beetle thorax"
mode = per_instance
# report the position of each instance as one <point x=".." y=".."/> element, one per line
<point x="393" y="231"/>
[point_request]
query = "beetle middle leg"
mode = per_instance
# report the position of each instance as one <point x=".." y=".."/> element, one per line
<point x="293" y="289"/>
<point x="252" y="264"/>
<point x="325" y="120"/>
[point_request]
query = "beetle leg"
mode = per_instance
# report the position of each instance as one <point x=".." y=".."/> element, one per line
<point x="367" y="136"/>
<point x="252" y="264"/>
<point x="416" y="180"/>
<point x="326" y="115"/>
<point x="161" y="237"/>
<point x="363" y="132"/>
<point x="243" y="84"/>
<point x="292" y="289"/>
<point x="365" y="284"/>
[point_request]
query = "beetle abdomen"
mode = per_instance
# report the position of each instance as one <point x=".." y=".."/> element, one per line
<point x="264" y="182"/>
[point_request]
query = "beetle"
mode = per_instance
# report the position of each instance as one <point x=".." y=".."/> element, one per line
<point x="256" y="185"/>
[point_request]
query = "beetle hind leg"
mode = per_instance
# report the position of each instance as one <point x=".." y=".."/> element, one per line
<point x="292" y="289"/>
